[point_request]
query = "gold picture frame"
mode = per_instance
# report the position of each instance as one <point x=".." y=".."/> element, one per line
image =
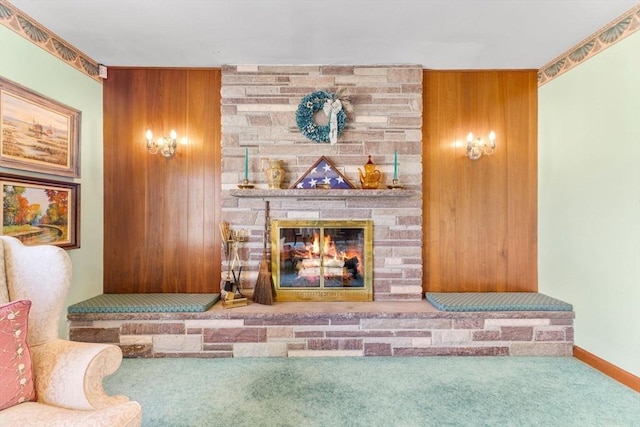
<point x="37" y="133"/>
<point x="40" y="211"/>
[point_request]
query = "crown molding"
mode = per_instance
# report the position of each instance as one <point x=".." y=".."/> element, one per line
<point x="22" y="24"/>
<point x="621" y="27"/>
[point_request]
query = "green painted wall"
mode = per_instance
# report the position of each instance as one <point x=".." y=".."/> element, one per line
<point x="33" y="67"/>
<point x="589" y="200"/>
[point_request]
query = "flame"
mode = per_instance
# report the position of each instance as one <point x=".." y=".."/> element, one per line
<point x="327" y="253"/>
<point x="329" y="248"/>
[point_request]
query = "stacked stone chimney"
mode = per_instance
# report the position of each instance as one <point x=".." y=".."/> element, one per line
<point x="259" y="106"/>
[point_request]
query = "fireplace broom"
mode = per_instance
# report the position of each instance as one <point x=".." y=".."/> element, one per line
<point x="264" y="290"/>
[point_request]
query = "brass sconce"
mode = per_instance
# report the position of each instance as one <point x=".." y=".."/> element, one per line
<point x="477" y="148"/>
<point x="164" y="145"/>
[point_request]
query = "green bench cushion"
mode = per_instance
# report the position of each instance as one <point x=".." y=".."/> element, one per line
<point x="495" y="301"/>
<point x="145" y="303"/>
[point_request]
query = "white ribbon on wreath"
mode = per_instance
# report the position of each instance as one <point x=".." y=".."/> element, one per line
<point x="331" y="108"/>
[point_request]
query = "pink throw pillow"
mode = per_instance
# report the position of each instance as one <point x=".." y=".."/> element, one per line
<point x="16" y="378"/>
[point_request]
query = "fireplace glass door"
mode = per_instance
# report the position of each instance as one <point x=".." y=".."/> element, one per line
<point x="322" y="260"/>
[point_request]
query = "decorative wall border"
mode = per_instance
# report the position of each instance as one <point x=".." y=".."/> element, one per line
<point x="22" y="24"/>
<point x="607" y="36"/>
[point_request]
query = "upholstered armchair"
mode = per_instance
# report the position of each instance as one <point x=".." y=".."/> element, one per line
<point x="67" y="376"/>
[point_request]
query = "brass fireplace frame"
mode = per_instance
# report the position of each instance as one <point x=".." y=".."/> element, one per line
<point x="322" y="293"/>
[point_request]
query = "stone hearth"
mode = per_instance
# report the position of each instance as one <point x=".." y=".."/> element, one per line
<point x="306" y="329"/>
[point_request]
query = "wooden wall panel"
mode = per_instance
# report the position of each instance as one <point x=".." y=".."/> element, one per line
<point x="480" y="216"/>
<point x="161" y="214"/>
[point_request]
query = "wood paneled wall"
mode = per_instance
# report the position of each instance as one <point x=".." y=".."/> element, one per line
<point x="480" y="216"/>
<point x="161" y="214"/>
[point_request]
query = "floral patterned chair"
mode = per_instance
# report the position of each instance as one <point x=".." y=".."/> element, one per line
<point x="58" y="382"/>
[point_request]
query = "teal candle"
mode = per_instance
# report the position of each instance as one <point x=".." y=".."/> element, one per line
<point x="395" y="164"/>
<point x="246" y="164"/>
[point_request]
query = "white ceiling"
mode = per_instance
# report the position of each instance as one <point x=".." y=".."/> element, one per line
<point x="437" y="34"/>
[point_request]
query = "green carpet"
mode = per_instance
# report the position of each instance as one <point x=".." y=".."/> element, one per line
<point x="376" y="391"/>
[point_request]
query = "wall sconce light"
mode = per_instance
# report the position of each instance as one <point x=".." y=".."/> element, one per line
<point x="165" y="145"/>
<point x="477" y="148"/>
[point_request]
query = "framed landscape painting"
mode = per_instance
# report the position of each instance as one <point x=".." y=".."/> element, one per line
<point x="38" y="133"/>
<point x="39" y="211"/>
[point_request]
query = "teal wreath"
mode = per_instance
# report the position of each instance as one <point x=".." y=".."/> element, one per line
<point x="304" y="116"/>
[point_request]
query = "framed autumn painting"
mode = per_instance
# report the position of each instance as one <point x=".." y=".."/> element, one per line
<point x="38" y="133"/>
<point x="40" y="211"/>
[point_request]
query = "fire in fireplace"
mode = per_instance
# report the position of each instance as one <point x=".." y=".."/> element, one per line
<point x="322" y="260"/>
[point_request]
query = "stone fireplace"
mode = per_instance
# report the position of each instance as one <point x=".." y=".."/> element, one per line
<point x="259" y="115"/>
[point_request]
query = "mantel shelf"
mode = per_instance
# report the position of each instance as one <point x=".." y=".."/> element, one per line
<point x="319" y="193"/>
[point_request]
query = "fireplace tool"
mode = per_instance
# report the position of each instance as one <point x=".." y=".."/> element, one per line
<point x="230" y="242"/>
<point x="225" y="232"/>
<point x="264" y="291"/>
<point x="236" y="238"/>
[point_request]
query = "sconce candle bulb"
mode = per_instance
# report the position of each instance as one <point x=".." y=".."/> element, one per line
<point x="165" y="146"/>
<point x="477" y="148"/>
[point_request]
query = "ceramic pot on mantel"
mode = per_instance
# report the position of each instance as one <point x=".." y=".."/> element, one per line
<point x="274" y="172"/>
<point x="371" y="177"/>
